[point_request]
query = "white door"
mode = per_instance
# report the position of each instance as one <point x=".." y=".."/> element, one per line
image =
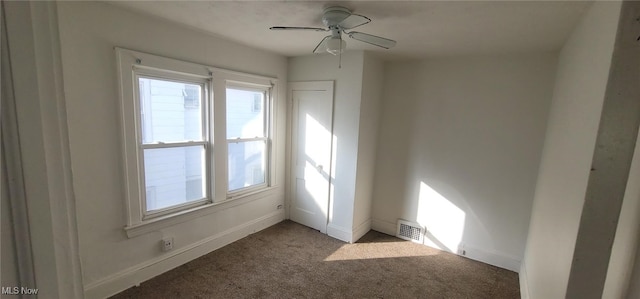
<point x="311" y="152"/>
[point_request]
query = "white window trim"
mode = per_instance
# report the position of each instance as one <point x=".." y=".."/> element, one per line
<point x="127" y="61"/>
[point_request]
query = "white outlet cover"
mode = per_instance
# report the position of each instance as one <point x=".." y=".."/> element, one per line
<point x="167" y="243"/>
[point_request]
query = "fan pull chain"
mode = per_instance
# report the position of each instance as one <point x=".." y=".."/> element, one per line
<point x="340" y="53"/>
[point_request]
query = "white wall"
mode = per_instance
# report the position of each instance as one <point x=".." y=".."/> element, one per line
<point x="459" y="147"/>
<point x="9" y="274"/>
<point x="634" y="281"/>
<point x="608" y="235"/>
<point x="46" y="240"/>
<point x="581" y="79"/>
<point x="110" y="261"/>
<point x="401" y="83"/>
<point x="346" y="107"/>
<point x="9" y="257"/>
<point x="372" y="82"/>
<point x="625" y="244"/>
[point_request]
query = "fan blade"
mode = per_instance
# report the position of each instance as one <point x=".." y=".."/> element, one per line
<point x="322" y="46"/>
<point x="298" y="28"/>
<point x="372" y="39"/>
<point x="353" y="21"/>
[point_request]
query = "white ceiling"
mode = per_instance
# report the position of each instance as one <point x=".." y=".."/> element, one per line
<point x="422" y="28"/>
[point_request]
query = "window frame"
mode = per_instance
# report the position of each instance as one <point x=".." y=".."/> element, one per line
<point x="130" y="63"/>
<point x="205" y="137"/>
<point x="267" y="123"/>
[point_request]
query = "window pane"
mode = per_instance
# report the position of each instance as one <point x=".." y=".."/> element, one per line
<point x="170" y="111"/>
<point x="174" y="176"/>
<point x="246" y="164"/>
<point x="245" y="113"/>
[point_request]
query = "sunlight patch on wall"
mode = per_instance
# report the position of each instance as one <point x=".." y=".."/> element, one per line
<point x="332" y="177"/>
<point x="316" y="165"/>
<point x="444" y="220"/>
<point x="316" y="135"/>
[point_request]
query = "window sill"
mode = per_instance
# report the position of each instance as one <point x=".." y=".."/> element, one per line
<point x="160" y="222"/>
<point x="247" y="192"/>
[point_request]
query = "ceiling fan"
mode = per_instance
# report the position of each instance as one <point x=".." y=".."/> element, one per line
<point x="338" y="20"/>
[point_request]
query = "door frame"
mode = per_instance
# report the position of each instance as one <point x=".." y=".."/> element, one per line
<point x="293" y="147"/>
<point x="33" y="44"/>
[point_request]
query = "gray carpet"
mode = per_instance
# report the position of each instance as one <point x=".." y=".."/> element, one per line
<point x="289" y="260"/>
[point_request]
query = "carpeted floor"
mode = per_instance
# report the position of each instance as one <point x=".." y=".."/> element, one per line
<point x="289" y="260"/>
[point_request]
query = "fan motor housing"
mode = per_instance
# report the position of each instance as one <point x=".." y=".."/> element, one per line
<point x="334" y="15"/>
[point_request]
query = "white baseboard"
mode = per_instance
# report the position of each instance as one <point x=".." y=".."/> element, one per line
<point x="524" y="282"/>
<point x="347" y="235"/>
<point x="491" y="258"/>
<point x="361" y="230"/>
<point x="339" y="233"/>
<point x="384" y="227"/>
<point x="474" y="253"/>
<point x="139" y="273"/>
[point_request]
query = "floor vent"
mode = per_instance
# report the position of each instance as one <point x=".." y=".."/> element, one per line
<point x="410" y="231"/>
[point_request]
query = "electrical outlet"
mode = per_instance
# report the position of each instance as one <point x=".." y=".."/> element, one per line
<point x="167" y="243"/>
<point x="462" y="250"/>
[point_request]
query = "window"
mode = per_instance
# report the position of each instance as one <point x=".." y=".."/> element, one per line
<point x="173" y="141"/>
<point x="247" y="137"/>
<point x="171" y="119"/>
